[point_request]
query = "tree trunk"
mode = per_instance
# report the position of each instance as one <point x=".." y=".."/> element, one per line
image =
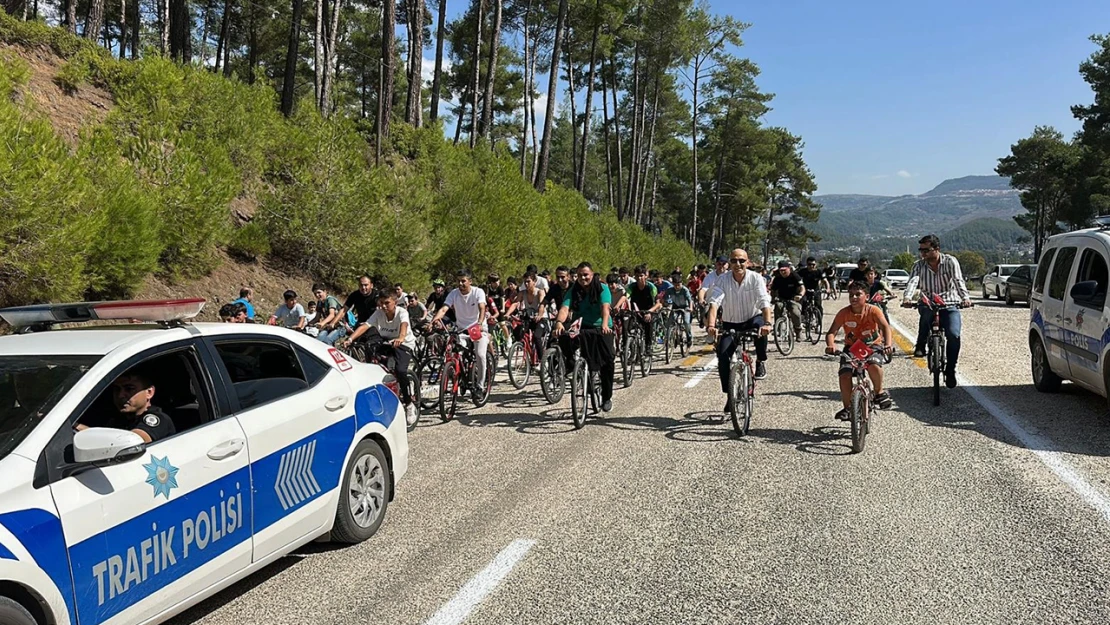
<point x="122" y="28"/>
<point x="205" y="31"/>
<point x="491" y="73"/>
<point x="532" y="106"/>
<point x="227" y="55"/>
<point x="252" y="45"/>
<point x="330" y="59"/>
<point x="163" y="26"/>
<point x="552" y="87"/>
<point x="437" y="75"/>
<point x="646" y="157"/>
<point x="459" y="121"/>
<point x="318" y="56"/>
<point x="654" y="192"/>
<point x="637" y="131"/>
<point x="608" y="140"/>
<point x="290" y="77"/>
<point x="476" y="73"/>
<point x="180" y="31"/>
<point x="580" y="180"/>
<point x="136" y="30"/>
<point x="694" y="156"/>
<point x="617" y="131"/>
<point x="717" y="189"/>
<point x="70" y="20"/>
<point x="389" y="27"/>
<point x="527" y="96"/>
<point x="414" y="104"/>
<point x="571" y="89"/>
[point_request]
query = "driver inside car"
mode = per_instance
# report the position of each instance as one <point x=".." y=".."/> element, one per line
<point x="132" y="393"/>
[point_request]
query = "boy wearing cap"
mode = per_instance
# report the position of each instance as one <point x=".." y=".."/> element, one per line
<point x="787" y="287"/>
<point x="681" y="301"/>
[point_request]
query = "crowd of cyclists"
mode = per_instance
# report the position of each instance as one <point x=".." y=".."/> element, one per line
<point x="621" y="320"/>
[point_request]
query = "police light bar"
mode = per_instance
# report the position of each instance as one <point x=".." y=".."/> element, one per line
<point x="161" y="311"/>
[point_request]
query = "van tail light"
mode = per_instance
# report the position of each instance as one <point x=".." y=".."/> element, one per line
<point x="391" y="383"/>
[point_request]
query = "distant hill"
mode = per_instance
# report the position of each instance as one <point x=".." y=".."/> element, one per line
<point x="970" y="185"/>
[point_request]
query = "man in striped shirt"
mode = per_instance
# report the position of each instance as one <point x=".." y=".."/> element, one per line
<point x="742" y="299"/>
<point x="938" y="274"/>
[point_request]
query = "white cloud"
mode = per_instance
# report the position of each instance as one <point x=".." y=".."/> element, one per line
<point x="904" y="174"/>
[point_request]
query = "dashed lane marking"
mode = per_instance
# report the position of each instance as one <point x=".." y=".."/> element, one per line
<point x="479" y="587"/>
<point x="1041" y="447"/>
<point x="701" y="375"/>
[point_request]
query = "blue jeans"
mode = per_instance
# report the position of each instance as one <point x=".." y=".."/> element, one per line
<point x="329" y="337"/>
<point x="951" y="323"/>
<point x="684" y="316"/>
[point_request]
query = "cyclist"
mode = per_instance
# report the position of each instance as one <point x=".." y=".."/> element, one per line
<point x="938" y="274"/>
<point x="661" y="285"/>
<point x="876" y="286"/>
<point x="417" y="311"/>
<point x="617" y="292"/>
<point x="828" y="279"/>
<point x="719" y="269"/>
<point x="859" y="274"/>
<point x="392" y="324"/>
<point x="625" y="278"/>
<point x="811" y="280"/>
<point x="643" y="296"/>
<point x="861" y="322"/>
<point x="554" y="296"/>
<point x="744" y="304"/>
<point x="787" y="287"/>
<point x="529" y="305"/>
<point x="681" y="301"/>
<point x="469" y="304"/>
<point x="436" y="298"/>
<point x="590" y="301"/>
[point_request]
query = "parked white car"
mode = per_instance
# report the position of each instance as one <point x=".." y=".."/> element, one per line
<point x="994" y="282"/>
<point x="277" y="440"/>
<point x="896" y="278"/>
<point x="1069" y="321"/>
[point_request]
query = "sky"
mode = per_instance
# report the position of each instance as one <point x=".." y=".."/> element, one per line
<point x="893" y="98"/>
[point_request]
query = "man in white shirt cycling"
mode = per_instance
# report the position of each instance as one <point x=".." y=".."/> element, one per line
<point x="744" y="303"/>
<point x="469" y="304"/>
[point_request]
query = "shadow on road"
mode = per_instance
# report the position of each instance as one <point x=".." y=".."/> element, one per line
<point x="825" y="440"/>
<point x="242" y="587"/>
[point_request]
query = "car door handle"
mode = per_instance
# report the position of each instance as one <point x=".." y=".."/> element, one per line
<point x="336" y="403"/>
<point x="227" y="449"/>
<point x="1067" y="321"/>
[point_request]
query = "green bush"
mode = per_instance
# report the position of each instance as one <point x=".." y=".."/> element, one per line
<point x="250" y="242"/>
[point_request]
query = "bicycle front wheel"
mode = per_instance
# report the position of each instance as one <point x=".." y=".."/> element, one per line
<point x="740" y="380"/>
<point x="784" y="338"/>
<point x="414" y="391"/>
<point x="519" y="367"/>
<point x="936" y="364"/>
<point x="668" y="346"/>
<point x="816" y="325"/>
<point x="552" y="375"/>
<point x="627" y="362"/>
<point x="448" y="392"/>
<point x="578" y="398"/>
<point x="480" y="398"/>
<point x="428" y="371"/>
<point x="860" y="412"/>
<point x="645" y="360"/>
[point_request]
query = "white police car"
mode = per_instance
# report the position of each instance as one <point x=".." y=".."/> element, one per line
<point x="279" y="440"/>
<point x="1069" y="319"/>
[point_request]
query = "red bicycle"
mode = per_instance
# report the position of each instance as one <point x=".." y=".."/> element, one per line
<point x="458" y="375"/>
<point x="522" y="355"/>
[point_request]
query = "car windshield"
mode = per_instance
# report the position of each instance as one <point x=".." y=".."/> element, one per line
<point x="897" y="273"/>
<point x="29" y="388"/>
<point x="1005" y="271"/>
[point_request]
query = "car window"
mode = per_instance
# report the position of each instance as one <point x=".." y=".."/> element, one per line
<point x="1020" y="272"/>
<point x="29" y="388"/>
<point x="1092" y="266"/>
<point x="1005" y="271"/>
<point x="314" y="369"/>
<point x="261" y="371"/>
<point x="1042" y="270"/>
<point x="1061" y="270"/>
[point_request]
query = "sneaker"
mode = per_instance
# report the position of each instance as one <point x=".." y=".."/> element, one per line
<point x="607" y="405"/>
<point x="760" y="370"/>
<point x="950" y="379"/>
<point x="919" y="352"/>
<point x="843" y="415"/>
<point x="883" y="401"/>
<point x="411" y="414"/>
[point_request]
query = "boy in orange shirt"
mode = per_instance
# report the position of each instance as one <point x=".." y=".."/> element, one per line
<point x="861" y="322"/>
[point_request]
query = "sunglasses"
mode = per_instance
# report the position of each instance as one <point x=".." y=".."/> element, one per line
<point x="739" y="260"/>
<point x="924" y="250"/>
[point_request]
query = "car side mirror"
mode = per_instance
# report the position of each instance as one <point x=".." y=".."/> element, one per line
<point x="1084" y="291"/>
<point x="99" y="446"/>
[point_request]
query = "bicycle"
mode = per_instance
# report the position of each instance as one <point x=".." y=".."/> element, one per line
<point x="497" y="339"/>
<point x="936" y="351"/>
<point x="627" y="349"/>
<point x="675" y="334"/>
<point x="522" y="356"/>
<point x="783" y="330"/>
<point x="458" y="358"/>
<point x="427" y="361"/>
<point x="811" y="318"/>
<point x="553" y="371"/>
<point x="585" y="383"/>
<point x="369" y="351"/>
<point x="642" y="350"/>
<point x="862" y="404"/>
<point x="741" y="376"/>
<point x="659" y="331"/>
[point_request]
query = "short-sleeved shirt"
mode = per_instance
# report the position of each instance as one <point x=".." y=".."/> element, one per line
<point x="678" y="296"/>
<point x="247" y="305"/>
<point x="857" y="275"/>
<point x="862" y="327"/>
<point x="810" y="277"/>
<point x="154" y="422"/>
<point x="467" y="307"/>
<point x="711" y="279"/>
<point x="363" y="305"/>
<point x="289" y="317"/>
<point x="555" y="295"/>
<point x="694" y="284"/>
<point x="391" y="330"/>
<point x="497" y="296"/>
<point x="786" y="288"/>
<point x="541" y="284"/>
<point x="590" y="311"/>
<point x="416" y="311"/>
<point x="326" y="307"/>
<point x="643" y="299"/>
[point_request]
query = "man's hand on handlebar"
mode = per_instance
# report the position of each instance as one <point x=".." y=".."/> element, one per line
<point x="764" y="329"/>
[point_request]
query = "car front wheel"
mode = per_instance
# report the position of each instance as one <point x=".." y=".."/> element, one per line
<point x="364" y="496"/>
<point x="12" y="612"/>
<point x="1044" y="379"/>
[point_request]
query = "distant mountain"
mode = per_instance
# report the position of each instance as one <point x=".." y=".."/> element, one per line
<point x="856" y="219"/>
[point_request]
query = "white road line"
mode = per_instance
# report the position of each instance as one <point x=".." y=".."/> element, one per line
<point x="706" y="370"/>
<point x="1039" y="445"/>
<point x="481" y="585"/>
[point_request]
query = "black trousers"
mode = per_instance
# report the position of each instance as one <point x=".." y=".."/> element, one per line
<point x="727" y="346"/>
<point x="600" y="355"/>
<point x="401" y="358"/>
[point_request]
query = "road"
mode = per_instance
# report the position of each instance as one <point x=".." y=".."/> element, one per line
<point x="658" y="513"/>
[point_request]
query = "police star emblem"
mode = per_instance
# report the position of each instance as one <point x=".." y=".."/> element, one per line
<point x="161" y="475"/>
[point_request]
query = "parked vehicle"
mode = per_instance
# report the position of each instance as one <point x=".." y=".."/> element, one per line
<point x="1068" y="338"/>
<point x="896" y="278"/>
<point x="1019" y="284"/>
<point x="994" y="281"/>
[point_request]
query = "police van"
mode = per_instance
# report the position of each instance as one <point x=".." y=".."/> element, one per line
<point x="1069" y="322"/>
<point x="274" y="440"/>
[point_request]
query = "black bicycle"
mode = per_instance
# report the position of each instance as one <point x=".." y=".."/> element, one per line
<point x="783" y="330"/>
<point x="935" y="354"/>
<point x="585" y="383"/>
<point x="811" y="318"/>
<point x="741" y="376"/>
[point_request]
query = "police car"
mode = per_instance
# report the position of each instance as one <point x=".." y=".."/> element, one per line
<point x="1069" y="320"/>
<point x="277" y="440"/>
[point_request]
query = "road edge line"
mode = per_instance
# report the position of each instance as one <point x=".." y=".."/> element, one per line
<point x="483" y="583"/>
<point x="1040" y="446"/>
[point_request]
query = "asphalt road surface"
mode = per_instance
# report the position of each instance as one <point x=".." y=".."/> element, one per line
<point x="992" y="508"/>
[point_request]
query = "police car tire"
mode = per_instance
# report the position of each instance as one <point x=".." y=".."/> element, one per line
<point x="346" y="530"/>
<point x="13" y="613"/>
